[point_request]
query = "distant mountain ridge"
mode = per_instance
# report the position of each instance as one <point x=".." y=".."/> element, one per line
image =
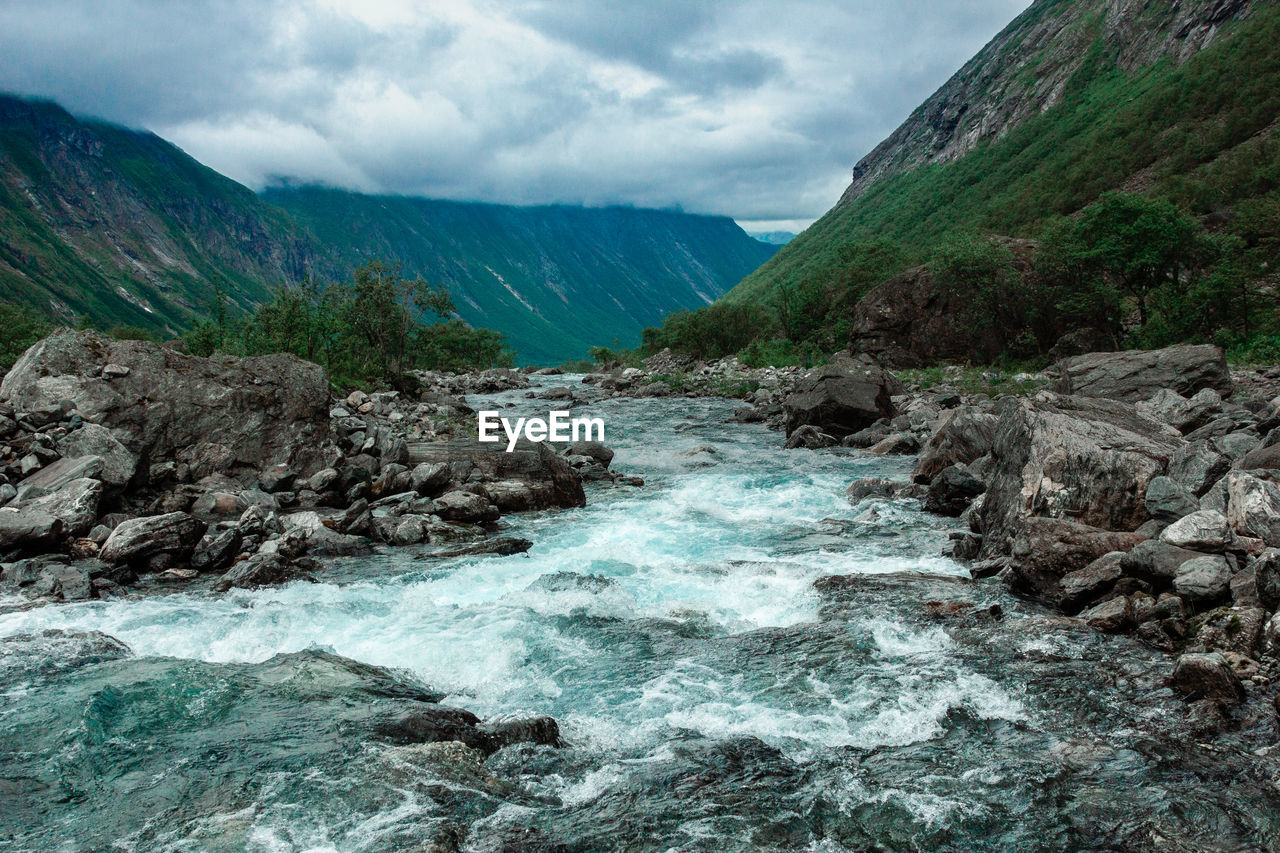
<point x="123" y="227"/>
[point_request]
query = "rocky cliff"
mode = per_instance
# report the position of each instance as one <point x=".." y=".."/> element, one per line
<point x="1073" y="99"/>
<point x="1026" y="70"/>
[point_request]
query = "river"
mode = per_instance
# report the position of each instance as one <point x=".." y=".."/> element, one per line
<point x="710" y="696"/>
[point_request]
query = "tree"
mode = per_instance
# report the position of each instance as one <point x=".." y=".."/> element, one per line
<point x="1140" y="244"/>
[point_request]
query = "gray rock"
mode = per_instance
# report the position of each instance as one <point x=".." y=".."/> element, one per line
<point x="465" y="506"/>
<point x="132" y="541"/>
<point x="1197" y="466"/>
<point x="1206" y="676"/>
<point x="1203" y="579"/>
<point x="277" y="478"/>
<point x="871" y="487"/>
<point x="1236" y="445"/>
<point x="58" y="474"/>
<point x="595" y="449"/>
<point x="1167" y="501"/>
<point x="1111" y="616"/>
<point x="28" y="529"/>
<point x="809" y="437"/>
<point x="1047" y="549"/>
<point x="1136" y="375"/>
<point x="1090" y="583"/>
<point x="841" y="398"/>
<point x="1260" y="458"/>
<point x="552" y="481"/>
<point x="411" y="530"/>
<point x="952" y="490"/>
<point x="119" y="465"/>
<point x="323" y="479"/>
<point x="1203" y="530"/>
<point x="75" y="504"/>
<point x="265" y="410"/>
<point x="1253" y="507"/>
<point x="1266" y="573"/>
<point x="429" y="479"/>
<point x="1232" y="629"/>
<point x="1155" y="560"/>
<point x="216" y="550"/>
<point x="1075" y="458"/>
<point x="259" y="570"/>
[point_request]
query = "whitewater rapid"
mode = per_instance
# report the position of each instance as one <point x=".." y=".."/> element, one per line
<point x="710" y="695"/>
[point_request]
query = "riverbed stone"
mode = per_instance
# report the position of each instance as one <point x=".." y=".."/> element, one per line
<point x="1136" y="375"/>
<point x="1111" y="616"/>
<point x="1253" y="507"/>
<point x="1167" y="501"/>
<point x="175" y="533"/>
<point x="1203" y="579"/>
<point x="118" y="464"/>
<point x="841" y="397"/>
<point x="1206" y="676"/>
<point x="1087" y="584"/>
<point x="1203" y="530"/>
<point x="1196" y="466"/>
<point x="952" y="490"/>
<point x="1047" y="549"/>
<point x="1071" y="458"/>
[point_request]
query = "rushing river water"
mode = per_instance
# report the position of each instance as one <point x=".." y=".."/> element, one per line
<point x="711" y="697"/>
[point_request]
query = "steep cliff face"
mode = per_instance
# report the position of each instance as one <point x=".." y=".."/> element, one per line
<point x="122" y="227"/>
<point x="1026" y="69"/>
<point x="1074" y="98"/>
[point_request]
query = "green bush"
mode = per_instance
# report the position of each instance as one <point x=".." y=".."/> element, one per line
<point x="368" y="331"/>
<point x="20" y="327"/>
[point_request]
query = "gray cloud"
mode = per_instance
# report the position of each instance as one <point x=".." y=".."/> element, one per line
<point x="748" y="108"/>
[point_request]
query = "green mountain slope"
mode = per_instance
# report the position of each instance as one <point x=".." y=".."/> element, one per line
<point x="556" y="280"/>
<point x="1074" y="98"/>
<point x="122" y="227"/>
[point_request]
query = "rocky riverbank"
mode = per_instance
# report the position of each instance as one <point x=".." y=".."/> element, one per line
<point x="1139" y="494"/>
<point x="128" y="464"/>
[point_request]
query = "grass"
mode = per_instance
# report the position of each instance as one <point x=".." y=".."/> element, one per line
<point x="1205" y="144"/>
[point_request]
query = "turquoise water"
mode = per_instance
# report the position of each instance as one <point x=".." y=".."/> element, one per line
<point x="710" y="697"/>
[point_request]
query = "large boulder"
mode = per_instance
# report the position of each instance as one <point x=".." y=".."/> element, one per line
<point x="1207" y="676"/>
<point x="137" y="539"/>
<point x="842" y="397"/>
<point x="549" y="478"/>
<point x="1046" y="550"/>
<point x="75" y="504"/>
<point x="264" y="410"/>
<point x="965" y="434"/>
<point x="118" y="464"/>
<point x="1137" y="375"/>
<point x="58" y="474"/>
<point x="28" y="529"/>
<point x="1253" y="507"/>
<point x="1089" y="461"/>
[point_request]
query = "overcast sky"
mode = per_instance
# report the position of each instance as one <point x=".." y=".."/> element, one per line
<point x="753" y="109"/>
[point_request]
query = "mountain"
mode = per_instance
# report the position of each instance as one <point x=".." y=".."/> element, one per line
<point x="122" y="227"/>
<point x="773" y="238"/>
<point x="555" y="279"/>
<point x="1074" y="98"/>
